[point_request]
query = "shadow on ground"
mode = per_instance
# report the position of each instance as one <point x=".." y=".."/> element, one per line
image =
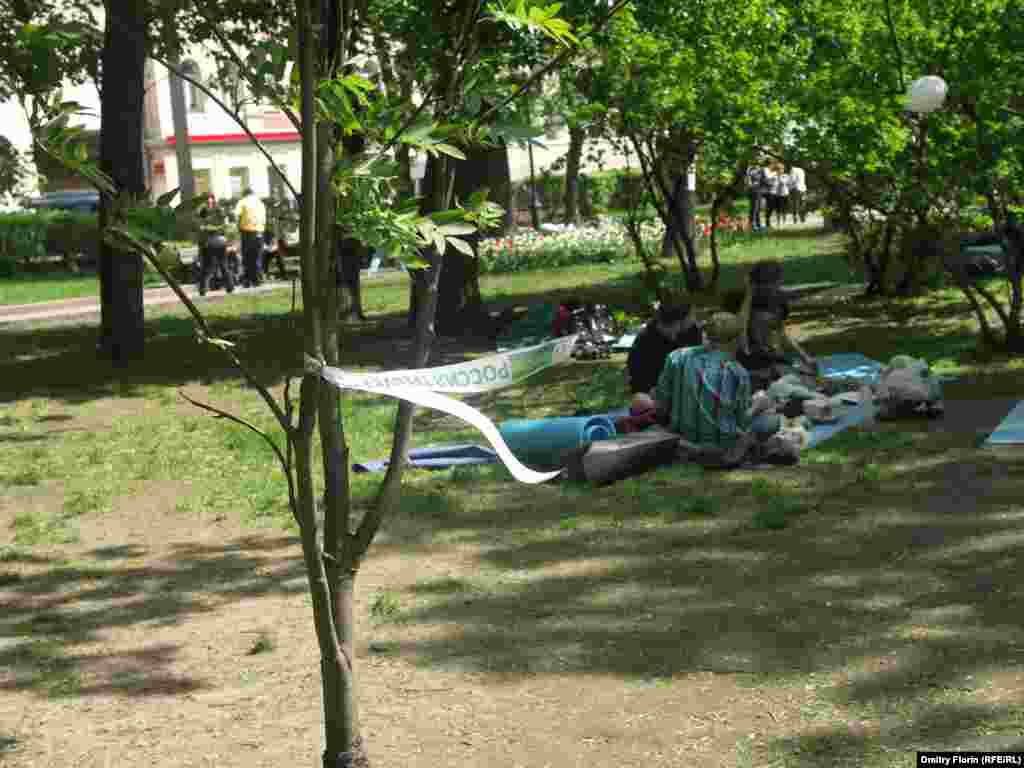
<point x="46" y="612"/>
<point x="904" y="591"/>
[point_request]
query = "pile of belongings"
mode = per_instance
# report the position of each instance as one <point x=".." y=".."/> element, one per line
<point x="908" y="387"/>
<point x="904" y="387"/>
<point x="593" y="322"/>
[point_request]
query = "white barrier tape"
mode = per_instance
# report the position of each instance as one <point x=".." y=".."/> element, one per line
<point x="482" y="375"/>
<point x="423" y="387"/>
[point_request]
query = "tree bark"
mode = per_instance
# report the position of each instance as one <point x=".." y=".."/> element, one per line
<point x="677" y="236"/>
<point x="122" y="316"/>
<point x="573" y="158"/>
<point x="459" y="304"/>
<point x="350" y="254"/>
<point x="179" y="116"/>
<point x="350" y="299"/>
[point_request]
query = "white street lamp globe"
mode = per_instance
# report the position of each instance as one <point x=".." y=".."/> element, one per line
<point x="418" y="167"/>
<point x="927" y="94"/>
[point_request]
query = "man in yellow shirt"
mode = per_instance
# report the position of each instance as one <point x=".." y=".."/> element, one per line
<point x="252" y="221"/>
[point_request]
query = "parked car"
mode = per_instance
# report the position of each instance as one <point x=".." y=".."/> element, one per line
<point x="87" y="201"/>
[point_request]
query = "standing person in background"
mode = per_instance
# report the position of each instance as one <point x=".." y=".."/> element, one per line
<point x="776" y="184"/>
<point x="252" y="222"/>
<point x="756" y="181"/>
<point x="797" y="191"/>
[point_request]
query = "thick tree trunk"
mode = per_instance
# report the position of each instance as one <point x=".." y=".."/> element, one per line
<point x="573" y="158"/>
<point x="350" y="254"/>
<point x="350" y="299"/>
<point x="459" y="305"/>
<point x="122" y="328"/>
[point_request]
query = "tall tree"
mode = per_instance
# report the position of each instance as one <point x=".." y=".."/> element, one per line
<point x="675" y="79"/>
<point x="122" y="326"/>
<point x="179" y="113"/>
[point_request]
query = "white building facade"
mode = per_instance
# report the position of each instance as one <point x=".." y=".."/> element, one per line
<point x="224" y="160"/>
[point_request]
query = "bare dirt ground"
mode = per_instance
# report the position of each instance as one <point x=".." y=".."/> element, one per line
<point x="161" y="612"/>
<point x="885" y="619"/>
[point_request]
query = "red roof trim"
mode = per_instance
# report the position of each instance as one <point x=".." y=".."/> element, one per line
<point x="224" y="138"/>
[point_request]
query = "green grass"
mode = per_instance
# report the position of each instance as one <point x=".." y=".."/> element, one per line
<point x="31" y="288"/>
<point x="672" y="544"/>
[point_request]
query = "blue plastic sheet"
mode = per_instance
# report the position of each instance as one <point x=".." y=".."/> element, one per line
<point x="1011" y="429"/>
<point x="437" y="457"/>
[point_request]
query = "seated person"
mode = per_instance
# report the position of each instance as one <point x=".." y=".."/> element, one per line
<point x="671" y="328"/>
<point x="705" y="395"/>
<point x="763" y="312"/>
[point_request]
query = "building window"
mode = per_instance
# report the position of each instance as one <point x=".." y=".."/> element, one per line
<point x="196" y="98"/>
<point x="202" y="181"/>
<point x="239" y="178"/>
<point x="277" y="185"/>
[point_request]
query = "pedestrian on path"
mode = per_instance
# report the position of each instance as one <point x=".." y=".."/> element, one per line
<point x="758" y="183"/>
<point x="778" y="194"/>
<point x="797" y="192"/>
<point x="252" y="222"/>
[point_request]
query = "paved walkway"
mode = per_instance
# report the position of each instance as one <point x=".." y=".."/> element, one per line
<point x="90" y="305"/>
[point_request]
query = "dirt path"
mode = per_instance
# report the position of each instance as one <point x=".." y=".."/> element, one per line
<point x="89" y="305"/>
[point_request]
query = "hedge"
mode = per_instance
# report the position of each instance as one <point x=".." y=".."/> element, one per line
<point x="599" y="191"/>
<point x="29" y="236"/>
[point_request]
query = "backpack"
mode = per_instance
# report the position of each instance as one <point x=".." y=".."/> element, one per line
<point x="592" y="322"/>
<point x="907" y="386"/>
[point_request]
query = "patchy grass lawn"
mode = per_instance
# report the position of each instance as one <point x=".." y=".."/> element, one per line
<point x="31" y="288"/>
<point x="843" y="612"/>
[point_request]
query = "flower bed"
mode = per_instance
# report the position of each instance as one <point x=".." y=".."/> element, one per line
<point x="602" y="244"/>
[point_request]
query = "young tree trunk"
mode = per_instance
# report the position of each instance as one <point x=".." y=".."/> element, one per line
<point x="122" y="317"/>
<point x="573" y="158"/>
<point x="677" y="238"/>
<point x="716" y="207"/>
<point x="179" y="116"/>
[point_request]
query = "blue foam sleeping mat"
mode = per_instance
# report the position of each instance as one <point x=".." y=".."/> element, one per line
<point x="1010" y="430"/>
<point x="437" y="457"/>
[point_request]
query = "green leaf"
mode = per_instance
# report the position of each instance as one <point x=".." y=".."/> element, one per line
<point x="418" y="132"/>
<point x="457" y="229"/>
<point x="166" y="197"/>
<point x="448" y="217"/>
<point x="448" y="149"/>
<point x="461" y="246"/>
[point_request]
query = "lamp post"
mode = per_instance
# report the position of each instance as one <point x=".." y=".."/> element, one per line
<point x="926" y="95"/>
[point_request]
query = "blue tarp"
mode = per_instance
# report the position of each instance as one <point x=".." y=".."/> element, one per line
<point x="437" y="457"/>
<point x="1011" y="429"/>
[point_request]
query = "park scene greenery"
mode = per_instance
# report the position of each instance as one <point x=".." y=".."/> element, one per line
<point x="174" y="512"/>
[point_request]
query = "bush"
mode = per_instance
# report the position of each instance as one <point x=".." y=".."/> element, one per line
<point x="26" y="237"/>
<point x="599" y="191"/>
<point x="22" y="236"/>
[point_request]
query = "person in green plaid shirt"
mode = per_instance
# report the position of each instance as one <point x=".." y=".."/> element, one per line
<point x="705" y="395"/>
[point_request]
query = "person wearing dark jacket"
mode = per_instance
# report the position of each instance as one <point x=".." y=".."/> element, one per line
<point x="763" y="309"/>
<point x="670" y="329"/>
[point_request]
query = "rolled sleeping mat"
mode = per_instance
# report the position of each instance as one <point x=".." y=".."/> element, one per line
<point x="541" y="442"/>
<point x="608" y="461"/>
